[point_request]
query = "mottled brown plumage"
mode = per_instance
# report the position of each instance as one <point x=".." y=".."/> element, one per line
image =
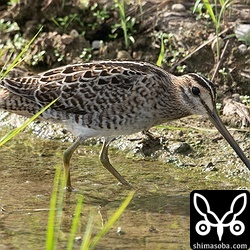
<point x="110" y="98"/>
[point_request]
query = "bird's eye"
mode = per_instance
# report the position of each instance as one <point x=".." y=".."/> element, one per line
<point x="195" y="91"/>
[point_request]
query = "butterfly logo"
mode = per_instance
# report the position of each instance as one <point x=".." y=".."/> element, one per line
<point x="203" y="227"/>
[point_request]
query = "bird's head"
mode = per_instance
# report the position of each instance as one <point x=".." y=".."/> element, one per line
<point x="198" y="96"/>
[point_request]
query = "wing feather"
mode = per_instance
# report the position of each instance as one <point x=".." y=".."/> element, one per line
<point x="82" y="88"/>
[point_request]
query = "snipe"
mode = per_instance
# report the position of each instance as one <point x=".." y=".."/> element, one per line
<point x="111" y="98"/>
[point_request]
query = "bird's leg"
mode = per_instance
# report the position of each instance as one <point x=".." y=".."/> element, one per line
<point x="66" y="160"/>
<point x="148" y="134"/>
<point x="106" y="163"/>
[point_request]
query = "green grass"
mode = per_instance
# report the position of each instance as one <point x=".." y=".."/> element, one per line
<point x="126" y="23"/>
<point x="18" y="59"/>
<point x="161" y="55"/>
<point x="112" y="220"/>
<point x="55" y="212"/>
<point x="121" y="7"/>
<point x="15" y="131"/>
<point x="216" y="12"/>
<point x="55" y="218"/>
<point x="75" y="223"/>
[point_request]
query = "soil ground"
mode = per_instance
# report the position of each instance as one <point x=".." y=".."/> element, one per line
<point x="178" y="157"/>
<point x="74" y="32"/>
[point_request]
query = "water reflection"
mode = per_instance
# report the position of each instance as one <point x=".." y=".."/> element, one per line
<point x="158" y="216"/>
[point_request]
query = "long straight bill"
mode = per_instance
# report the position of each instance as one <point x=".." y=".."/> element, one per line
<point x="222" y="129"/>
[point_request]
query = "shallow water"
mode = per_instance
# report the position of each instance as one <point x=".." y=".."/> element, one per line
<point x="157" y="218"/>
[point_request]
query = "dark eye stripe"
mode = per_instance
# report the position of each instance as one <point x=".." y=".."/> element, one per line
<point x="204" y="82"/>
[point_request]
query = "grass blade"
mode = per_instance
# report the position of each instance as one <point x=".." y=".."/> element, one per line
<point x="15" y="131"/>
<point x="112" y="220"/>
<point x="75" y="223"/>
<point x="18" y="58"/>
<point x="5" y="65"/>
<point x="162" y="53"/>
<point x="88" y="232"/>
<point x="59" y="209"/>
<point x="56" y="211"/>
<point x="196" y="5"/>
<point x="210" y="11"/>
<point x="50" y="239"/>
<point x="121" y="7"/>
